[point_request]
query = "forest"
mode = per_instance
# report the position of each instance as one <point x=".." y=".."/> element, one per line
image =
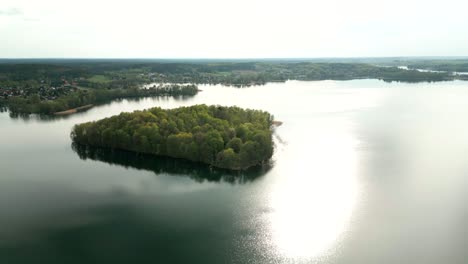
<point x="441" y="65"/>
<point x="225" y="137"/>
<point x="33" y="104"/>
<point x="451" y="65"/>
<point x="130" y="73"/>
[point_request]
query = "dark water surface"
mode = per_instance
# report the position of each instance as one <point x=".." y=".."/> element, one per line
<point x="363" y="172"/>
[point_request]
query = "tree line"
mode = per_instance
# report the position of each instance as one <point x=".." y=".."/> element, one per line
<point x="126" y="73"/>
<point x="80" y="97"/>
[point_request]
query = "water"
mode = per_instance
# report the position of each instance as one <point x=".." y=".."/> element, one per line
<point x="363" y="172"/>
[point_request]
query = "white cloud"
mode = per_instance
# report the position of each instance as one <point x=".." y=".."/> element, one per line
<point x="10" y="12"/>
<point x="242" y="28"/>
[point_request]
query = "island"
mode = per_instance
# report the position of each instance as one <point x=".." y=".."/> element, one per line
<point x="224" y="137"/>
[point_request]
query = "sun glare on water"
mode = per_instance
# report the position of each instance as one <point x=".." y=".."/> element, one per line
<point x="311" y="208"/>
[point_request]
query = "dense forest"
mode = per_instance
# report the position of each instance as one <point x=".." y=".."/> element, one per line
<point x="80" y="97"/>
<point x="224" y="137"/>
<point x="128" y="73"/>
<point x="450" y="65"/>
<point x="441" y="65"/>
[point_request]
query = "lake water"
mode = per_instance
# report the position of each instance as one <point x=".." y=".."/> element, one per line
<point x="363" y="172"/>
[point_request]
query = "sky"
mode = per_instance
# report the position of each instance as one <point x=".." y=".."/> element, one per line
<point x="232" y="29"/>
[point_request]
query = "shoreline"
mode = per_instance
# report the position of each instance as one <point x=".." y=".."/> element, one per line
<point x="276" y="123"/>
<point x="74" y="110"/>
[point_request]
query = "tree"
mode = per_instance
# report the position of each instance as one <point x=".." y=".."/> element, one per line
<point x="235" y="144"/>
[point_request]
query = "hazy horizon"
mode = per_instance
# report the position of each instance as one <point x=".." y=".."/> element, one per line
<point x="242" y="58"/>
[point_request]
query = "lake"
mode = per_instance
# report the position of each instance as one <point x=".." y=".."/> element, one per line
<point x="363" y="172"/>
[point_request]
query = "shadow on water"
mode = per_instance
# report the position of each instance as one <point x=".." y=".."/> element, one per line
<point x="26" y="117"/>
<point x="119" y="234"/>
<point x="165" y="165"/>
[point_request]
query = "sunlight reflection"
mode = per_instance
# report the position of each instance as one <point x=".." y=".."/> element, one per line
<point x="313" y="205"/>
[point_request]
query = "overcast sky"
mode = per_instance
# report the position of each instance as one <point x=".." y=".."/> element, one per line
<point x="232" y="29"/>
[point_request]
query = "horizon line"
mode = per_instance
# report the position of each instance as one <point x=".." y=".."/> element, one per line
<point x="222" y="58"/>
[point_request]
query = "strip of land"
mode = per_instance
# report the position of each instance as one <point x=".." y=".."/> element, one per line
<point x="74" y="110"/>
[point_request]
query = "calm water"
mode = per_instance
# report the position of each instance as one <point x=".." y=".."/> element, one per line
<point x="364" y="172"/>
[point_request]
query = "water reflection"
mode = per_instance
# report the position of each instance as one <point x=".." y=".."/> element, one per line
<point x="165" y="165"/>
<point x="312" y="207"/>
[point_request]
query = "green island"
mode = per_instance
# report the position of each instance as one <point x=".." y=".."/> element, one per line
<point x="48" y="86"/>
<point x="224" y="137"/>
